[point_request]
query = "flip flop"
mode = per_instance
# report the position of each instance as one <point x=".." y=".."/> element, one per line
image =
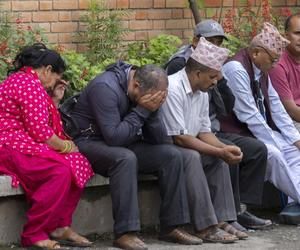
<point x="232" y="230"/>
<point x="217" y="235"/>
<point x="76" y="241"/>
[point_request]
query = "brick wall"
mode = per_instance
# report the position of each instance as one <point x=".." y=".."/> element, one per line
<point x="147" y="18"/>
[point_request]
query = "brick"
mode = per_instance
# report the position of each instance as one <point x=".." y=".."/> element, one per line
<point x="76" y="15"/>
<point x="228" y="3"/>
<point x="177" y="3"/>
<point x="122" y="4"/>
<point x="278" y="2"/>
<point x="65" y="5"/>
<point x="187" y="13"/>
<point x="155" y="33"/>
<point x="111" y="4"/>
<point x="160" y="14"/>
<point x="45" y="5"/>
<point x="68" y="46"/>
<point x="130" y="14"/>
<point x="177" y="13"/>
<point x="177" y="33"/>
<point x="52" y="37"/>
<point x="129" y="37"/>
<point x="188" y="33"/>
<point x="65" y="16"/>
<point x="141" y="35"/>
<point x="23" y="6"/>
<point x="64" y="27"/>
<point x="134" y="4"/>
<point x="65" y="37"/>
<point x="45" y="16"/>
<point x="291" y="2"/>
<point x="125" y="24"/>
<point x="140" y="25"/>
<point x="213" y="3"/>
<point x="177" y="24"/>
<point x="82" y="26"/>
<point x="141" y="14"/>
<point x="159" y="24"/>
<point x="84" y="4"/>
<point x="44" y="26"/>
<point x="81" y="47"/>
<point x="26" y="17"/>
<point x="159" y="3"/>
<point x="5" y="5"/>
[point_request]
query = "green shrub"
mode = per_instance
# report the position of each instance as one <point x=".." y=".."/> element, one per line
<point x="103" y="31"/>
<point x="155" y="51"/>
<point x="14" y="36"/>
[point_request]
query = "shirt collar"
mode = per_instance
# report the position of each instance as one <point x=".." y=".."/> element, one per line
<point x="185" y="82"/>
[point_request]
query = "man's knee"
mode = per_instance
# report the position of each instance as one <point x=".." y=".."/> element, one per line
<point x="170" y="156"/>
<point x="125" y="160"/>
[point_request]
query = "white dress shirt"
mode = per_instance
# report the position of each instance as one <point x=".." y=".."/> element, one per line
<point x="246" y="110"/>
<point x="185" y="112"/>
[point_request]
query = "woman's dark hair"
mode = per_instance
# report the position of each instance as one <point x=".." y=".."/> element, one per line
<point x="36" y="56"/>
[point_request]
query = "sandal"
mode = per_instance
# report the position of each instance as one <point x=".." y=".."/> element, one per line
<point x="71" y="238"/>
<point x="216" y="235"/>
<point x="46" y="245"/>
<point x="232" y="230"/>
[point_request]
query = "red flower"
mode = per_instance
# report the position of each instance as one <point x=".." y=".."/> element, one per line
<point x="19" y="20"/>
<point x="228" y="24"/>
<point x="285" y="11"/>
<point x="3" y="47"/>
<point x="266" y="10"/>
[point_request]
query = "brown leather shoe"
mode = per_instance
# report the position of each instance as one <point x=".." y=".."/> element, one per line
<point x="130" y="242"/>
<point x="178" y="235"/>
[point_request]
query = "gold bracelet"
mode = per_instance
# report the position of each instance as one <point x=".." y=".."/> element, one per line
<point x="69" y="147"/>
<point x="66" y="147"/>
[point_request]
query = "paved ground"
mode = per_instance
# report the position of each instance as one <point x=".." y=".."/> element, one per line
<point x="280" y="237"/>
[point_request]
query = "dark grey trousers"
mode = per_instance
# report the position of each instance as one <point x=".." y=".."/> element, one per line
<point x="209" y="189"/>
<point x="248" y="177"/>
<point x="122" y="165"/>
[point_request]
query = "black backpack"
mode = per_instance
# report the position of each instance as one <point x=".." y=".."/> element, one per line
<point x="70" y="126"/>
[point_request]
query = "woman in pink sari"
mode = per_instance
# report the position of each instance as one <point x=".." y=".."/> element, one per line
<point x="36" y="153"/>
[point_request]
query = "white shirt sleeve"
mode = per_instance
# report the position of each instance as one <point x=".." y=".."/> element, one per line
<point x="245" y="106"/>
<point x="172" y="113"/>
<point x="281" y="118"/>
<point x="205" y="120"/>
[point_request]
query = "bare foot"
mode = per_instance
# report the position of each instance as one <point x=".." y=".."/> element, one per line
<point x="49" y="244"/>
<point x="67" y="236"/>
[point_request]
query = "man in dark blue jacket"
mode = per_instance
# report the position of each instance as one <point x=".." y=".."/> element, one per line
<point x="123" y="135"/>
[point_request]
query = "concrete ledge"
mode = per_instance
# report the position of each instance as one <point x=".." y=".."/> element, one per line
<point x="7" y="190"/>
<point x="93" y="214"/>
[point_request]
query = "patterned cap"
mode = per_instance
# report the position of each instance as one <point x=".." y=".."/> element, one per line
<point x="270" y="39"/>
<point x="209" y="54"/>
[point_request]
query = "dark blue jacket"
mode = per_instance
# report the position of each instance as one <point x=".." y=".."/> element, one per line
<point x="119" y="122"/>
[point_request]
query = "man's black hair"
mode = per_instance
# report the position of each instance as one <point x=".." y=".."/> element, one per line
<point x="192" y="65"/>
<point x="150" y="76"/>
<point x="287" y="22"/>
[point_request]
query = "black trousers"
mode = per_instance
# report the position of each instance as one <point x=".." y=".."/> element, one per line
<point x="122" y="165"/>
<point x="248" y="177"/>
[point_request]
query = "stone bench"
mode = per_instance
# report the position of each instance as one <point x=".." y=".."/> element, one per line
<point x="93" y="214"/>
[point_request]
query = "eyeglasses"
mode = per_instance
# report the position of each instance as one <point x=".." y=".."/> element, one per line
<point x="274" y="60"/>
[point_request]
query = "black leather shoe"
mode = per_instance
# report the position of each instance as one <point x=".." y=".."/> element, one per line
<point x="291" y="214"/>
<point x="250" y="221"/>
